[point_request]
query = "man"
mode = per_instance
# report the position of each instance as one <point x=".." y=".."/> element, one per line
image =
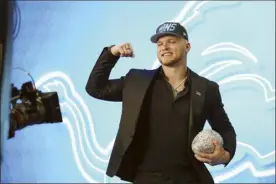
<point x="163" y="110"/>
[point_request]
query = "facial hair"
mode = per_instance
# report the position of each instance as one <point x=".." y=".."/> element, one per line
<point x="172" y="62"/>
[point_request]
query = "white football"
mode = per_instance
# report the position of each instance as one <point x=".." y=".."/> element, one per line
<point x="203" y="141"/>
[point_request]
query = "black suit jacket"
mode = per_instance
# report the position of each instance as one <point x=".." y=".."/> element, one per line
<point x="206" y="104"/>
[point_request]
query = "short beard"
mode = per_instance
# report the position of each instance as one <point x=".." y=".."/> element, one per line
<point x="171" y="63"/>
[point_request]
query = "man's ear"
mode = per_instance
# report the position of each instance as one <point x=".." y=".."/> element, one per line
<point x="188" y="47"/>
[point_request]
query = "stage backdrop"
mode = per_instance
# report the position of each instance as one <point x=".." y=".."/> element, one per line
<point x="59" y="42"/>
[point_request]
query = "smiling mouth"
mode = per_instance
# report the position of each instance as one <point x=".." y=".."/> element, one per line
<point x="167" y="54"/>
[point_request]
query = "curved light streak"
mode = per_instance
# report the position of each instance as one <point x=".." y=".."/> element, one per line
<point x="58" y="74"/>
<point x="271" y="154"/>
<point x="219" y="66"/>
<point x="255" y="78"/>
<point x="72" y="103"/>
<point x="243" y="167"/>
<point x="229" y="46"/>
<point x="80" y="138"/>
<point x="183" y="12"/>
<point x="195" y="13"/>
<point x="75" y="152"/>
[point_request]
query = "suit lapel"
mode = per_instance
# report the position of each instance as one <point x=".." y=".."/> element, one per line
<point x="198" y="89"/>
<point x="134" y="95"/>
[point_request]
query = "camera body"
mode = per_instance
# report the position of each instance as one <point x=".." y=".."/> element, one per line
<point x="31" y="106"/>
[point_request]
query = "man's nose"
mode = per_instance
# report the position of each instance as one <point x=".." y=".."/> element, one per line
<point x="164" y="46"/>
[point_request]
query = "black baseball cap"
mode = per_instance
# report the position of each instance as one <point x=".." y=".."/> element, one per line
<point x="169" y="28"/>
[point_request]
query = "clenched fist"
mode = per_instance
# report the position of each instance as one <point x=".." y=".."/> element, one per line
<point x="123" y="50"/>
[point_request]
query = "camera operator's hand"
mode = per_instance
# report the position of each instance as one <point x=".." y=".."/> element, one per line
<point x="123" y="50"/>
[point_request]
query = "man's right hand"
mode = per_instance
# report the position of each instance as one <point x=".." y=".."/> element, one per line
<point x="123" y="50"/>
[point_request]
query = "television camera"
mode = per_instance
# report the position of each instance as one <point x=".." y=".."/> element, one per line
<point x="30" y="106"/>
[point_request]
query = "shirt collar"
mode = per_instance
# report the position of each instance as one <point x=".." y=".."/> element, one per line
<point x="188" y="74"/>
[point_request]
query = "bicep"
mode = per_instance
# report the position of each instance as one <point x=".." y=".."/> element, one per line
<point x="112" y="90"/>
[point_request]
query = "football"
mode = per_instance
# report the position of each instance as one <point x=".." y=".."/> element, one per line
<point x="203" y="141"/>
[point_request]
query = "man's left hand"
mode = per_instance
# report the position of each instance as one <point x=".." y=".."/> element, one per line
<point x="219" y="156"/>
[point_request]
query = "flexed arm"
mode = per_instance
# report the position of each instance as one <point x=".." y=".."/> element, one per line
<point x="99" y="85"/>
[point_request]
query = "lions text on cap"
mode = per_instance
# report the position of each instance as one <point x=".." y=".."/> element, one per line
<point x="167" y="27"/>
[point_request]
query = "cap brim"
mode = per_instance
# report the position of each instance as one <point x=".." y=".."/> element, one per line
<point x="155" y="37"/>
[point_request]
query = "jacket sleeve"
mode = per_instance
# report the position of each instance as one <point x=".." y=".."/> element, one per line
<point x="219" y="121"/>
<point x="99" y="85"/>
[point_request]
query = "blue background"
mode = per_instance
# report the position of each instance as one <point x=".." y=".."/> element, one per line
<point x="58" y="42"/>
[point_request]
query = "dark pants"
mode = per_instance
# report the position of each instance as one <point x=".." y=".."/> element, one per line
<point x="163" y="178"/>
